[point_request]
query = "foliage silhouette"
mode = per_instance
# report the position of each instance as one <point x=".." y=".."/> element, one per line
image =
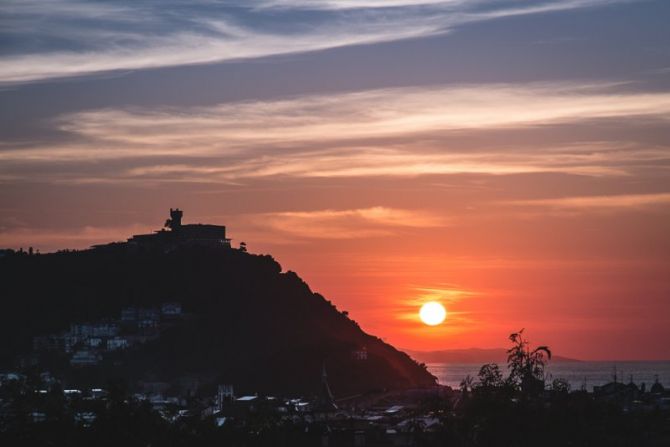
<point x="526" y="366"/>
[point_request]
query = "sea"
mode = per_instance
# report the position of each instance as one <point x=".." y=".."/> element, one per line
<point x="579" y="374"/>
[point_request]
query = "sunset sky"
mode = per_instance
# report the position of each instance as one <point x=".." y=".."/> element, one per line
<point x="508" y="158"/>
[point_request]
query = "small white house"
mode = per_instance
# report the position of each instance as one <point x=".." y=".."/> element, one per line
<point x="117" y="343"/>
<point x="171" y="309"/>
<point x="85" y="357"/>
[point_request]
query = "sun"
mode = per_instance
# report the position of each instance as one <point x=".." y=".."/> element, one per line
<point x="432" y="313"/>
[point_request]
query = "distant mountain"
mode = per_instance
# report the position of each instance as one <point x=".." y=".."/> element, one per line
<point x="472" y="355"/>
<point x="249" y="324"/>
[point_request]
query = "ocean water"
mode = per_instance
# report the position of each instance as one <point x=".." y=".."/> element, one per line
<point x="577" y="374"/>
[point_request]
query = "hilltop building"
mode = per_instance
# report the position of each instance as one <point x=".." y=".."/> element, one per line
<point x="360" y="354"/>
<point x="175" y="234"/>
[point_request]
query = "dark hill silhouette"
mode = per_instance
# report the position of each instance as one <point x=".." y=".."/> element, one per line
<point x="248" y="323"/>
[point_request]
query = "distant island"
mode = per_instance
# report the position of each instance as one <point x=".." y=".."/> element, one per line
<point x="471" y="355"/>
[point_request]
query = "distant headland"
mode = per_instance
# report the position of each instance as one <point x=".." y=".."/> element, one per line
<point x="471" y="355"/>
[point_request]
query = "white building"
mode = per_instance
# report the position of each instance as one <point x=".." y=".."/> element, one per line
<point x="95" y="342"/>
<point x="360" y="354"/>
<point x="171" y="309"/>
<point x="116" y="343"/>
<point x="94" y="330"/>
<point x="85" y="357"/>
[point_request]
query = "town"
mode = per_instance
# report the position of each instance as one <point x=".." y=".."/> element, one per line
<point x="86" y="343"/>
<point x="34" y="398"/>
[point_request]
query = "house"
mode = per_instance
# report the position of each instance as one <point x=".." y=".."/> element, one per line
<point x="85" y="418"/>
<point x="38" y="416"/>
<point x="11" y="377"/>
<point x="360" y="354"/>
<point x="148" y="326"/>
<point x="105" y="330"/>
<point x="85" y="357"/>
<point x="72" y="393"/>
<point x="84" y="331"/>
<point x="95" y="342"/>
<point x="148" y="319"/>
<point x="98" y="393"/>
<point x="116" y="343"/>
<point x="47" y="378"/>
<point x="617" y="392"/>
<point x="171" y="309"/>
<point x="150" y="314"/>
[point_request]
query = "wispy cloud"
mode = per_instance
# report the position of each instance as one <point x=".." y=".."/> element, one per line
<point x="445" y="293"/>
<point x="284" y="227"/>
<point x="355" y="4"/>
<point x="389" y="132"/>
<point x="496" y="5"/>
<point x="598" y="203"/>
<point x="73" y="38"/>
<point x="368" y="114"/>
<point x="369" y="222"/>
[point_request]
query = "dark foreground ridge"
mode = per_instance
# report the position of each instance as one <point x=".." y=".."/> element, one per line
<point x="181" y="303"/>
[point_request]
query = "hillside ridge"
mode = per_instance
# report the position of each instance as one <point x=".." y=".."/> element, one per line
<point x="247" y="322"/>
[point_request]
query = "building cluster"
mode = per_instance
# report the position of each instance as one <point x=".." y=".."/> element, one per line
<point x="86" y="343"/>
<point x="633" y="397"/>
<point x="84" y="405"/>
<point x="393" y="418"/>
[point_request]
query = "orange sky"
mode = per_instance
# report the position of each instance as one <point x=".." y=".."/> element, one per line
<point x="589" y="279"/>
<point x="509" y="159"/>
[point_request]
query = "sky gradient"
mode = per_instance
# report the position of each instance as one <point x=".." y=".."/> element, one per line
<point x="510" y="159"/>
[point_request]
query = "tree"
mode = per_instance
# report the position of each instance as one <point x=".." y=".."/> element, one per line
<point x="490" y="376"/>
<point x="466" y="384"/>
<point x="527" y="366"/>
<point x="561" y="386"/>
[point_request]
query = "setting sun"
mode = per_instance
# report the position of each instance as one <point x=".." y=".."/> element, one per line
<point x="432" y="313"/>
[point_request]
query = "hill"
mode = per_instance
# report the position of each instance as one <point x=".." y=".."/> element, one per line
<point x="472" y="355"/>
<point x="246" y="322"/>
